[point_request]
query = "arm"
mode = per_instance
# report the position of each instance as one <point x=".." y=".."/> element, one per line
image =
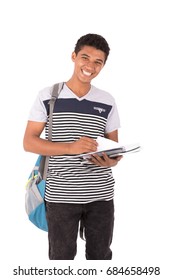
<point x="32" y="142"/>
<point x="112" y="135"/>
<point x="105" y="160"/>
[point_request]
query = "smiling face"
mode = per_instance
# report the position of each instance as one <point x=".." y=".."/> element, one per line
<point x="88" y="63"/>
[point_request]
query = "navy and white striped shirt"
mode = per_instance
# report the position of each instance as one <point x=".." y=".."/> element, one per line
<point x="72" y="180"/>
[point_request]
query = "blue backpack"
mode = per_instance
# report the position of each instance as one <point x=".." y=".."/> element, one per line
<point x="36" y="185"/>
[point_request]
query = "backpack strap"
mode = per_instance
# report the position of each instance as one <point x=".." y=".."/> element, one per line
<point x="55" y="93"/>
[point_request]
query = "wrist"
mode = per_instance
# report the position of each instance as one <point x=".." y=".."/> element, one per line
<point x="69" y="148"/>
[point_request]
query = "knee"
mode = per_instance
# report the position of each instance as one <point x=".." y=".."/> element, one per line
<point x="62" y="249"/>
<point x="63" y="253"/>
<point x="98" y="253"/>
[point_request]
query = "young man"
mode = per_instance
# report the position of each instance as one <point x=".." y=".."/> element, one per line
<point x="75" y="189"/>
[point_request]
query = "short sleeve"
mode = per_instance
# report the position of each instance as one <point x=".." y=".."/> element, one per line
<point x="38" y="111"/>
<point x="113" y="121"/>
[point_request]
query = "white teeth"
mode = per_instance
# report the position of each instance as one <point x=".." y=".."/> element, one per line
<point x="86" y="73"/>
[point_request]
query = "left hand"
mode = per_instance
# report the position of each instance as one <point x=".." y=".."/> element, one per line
<point x="104" y="160"/>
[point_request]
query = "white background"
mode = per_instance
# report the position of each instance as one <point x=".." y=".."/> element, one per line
<point x="37" y="39"/>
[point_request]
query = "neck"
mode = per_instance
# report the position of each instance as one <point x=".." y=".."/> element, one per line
<point x="80" y="89"/>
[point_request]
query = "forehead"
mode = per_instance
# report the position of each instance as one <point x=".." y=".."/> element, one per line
<point x="92" y="52"/>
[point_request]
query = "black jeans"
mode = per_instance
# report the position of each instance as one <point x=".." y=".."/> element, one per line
<point x="63" y="223"/>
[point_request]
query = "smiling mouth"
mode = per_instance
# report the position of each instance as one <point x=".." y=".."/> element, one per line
<point x="88" y="74"/>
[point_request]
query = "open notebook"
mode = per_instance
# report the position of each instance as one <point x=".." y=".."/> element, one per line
<point x="111" y="148"/>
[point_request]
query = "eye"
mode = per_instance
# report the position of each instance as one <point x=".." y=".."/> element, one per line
<point x="98" y="63"/>
<point x="84" y="57"/>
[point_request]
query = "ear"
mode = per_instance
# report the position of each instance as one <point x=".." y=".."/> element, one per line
<point x="73" y="56"/>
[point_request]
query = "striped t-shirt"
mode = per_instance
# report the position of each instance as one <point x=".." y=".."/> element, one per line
<point x="71" y="179"/>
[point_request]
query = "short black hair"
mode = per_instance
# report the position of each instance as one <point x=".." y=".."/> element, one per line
<point x="93" y="40"/>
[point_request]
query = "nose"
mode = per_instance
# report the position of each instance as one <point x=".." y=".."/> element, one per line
<point x="90" y="65"/>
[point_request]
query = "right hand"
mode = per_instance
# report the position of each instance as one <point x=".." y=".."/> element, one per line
<point x="83" y="145"/>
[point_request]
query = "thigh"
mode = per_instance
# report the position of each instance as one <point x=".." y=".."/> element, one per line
<point x="99" y="222"/>
<point x="63" y="220"/>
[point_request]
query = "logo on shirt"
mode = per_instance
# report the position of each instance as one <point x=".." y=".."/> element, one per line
<point x="101" y="110"/>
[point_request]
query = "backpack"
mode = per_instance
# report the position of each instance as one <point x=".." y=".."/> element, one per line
<point x="36" y="184"/>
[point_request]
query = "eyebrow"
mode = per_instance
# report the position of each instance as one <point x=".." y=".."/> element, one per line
<point x="97" y="59"/>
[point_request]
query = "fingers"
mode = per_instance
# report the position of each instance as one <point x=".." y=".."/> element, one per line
<point x="89" y="144"/>
<point x="118" y="158"/>
<point x="83" y="145"/>
<point x="104" y="160"/>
